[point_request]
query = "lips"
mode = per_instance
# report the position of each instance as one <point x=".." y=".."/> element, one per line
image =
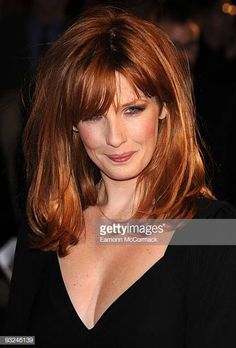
<point x="122" y="157"/>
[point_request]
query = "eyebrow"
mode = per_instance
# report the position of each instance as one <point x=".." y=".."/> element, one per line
<point x="134" y="101"/>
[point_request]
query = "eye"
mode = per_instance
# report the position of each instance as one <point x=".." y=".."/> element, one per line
<point x="135" y="109"/>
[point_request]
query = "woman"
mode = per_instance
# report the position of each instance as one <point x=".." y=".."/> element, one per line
<point x="112" y="133"/>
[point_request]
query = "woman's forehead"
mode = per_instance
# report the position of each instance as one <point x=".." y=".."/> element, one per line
<point x="125" y="91"/>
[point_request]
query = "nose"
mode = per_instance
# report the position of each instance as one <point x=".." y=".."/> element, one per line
<point x="116" y="133"/>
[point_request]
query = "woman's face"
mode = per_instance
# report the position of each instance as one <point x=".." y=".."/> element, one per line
<point x="132" y="126"/>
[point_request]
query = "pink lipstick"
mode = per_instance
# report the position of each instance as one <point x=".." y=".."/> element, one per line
<point x="121" y="158"/>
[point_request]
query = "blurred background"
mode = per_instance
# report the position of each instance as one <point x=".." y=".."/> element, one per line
<point x="203" y="30"/>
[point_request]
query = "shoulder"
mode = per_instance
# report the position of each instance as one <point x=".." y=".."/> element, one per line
<point x="208" y="227"/>
<point x="219" y="209"/>
<point x="213" y="263"/>
<point x="217" y="248"/>
<point x="24" y="237"/>
<point x="27" y="260"/>
<point x="28" y="268"/>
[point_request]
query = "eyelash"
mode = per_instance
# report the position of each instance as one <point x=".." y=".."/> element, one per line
<point x="136" y="110"/>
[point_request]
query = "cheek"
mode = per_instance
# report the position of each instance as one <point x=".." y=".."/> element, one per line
<point x="90" y="138"/>
<point x="147" y="130"/>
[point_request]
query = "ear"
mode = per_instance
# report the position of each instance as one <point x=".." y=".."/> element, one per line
<point x="164" y="112"/>
<point x="75" y="129"/>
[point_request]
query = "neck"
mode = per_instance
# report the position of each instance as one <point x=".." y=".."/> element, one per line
<point x="117" y="198"/>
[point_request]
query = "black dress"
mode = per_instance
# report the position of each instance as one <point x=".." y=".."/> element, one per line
<point x="187" y="299"/>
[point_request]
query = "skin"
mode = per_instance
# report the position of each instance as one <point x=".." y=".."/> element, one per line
<point x="122" y="129"/>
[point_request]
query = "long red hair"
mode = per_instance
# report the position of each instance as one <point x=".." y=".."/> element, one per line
<point x="76" y="79"/>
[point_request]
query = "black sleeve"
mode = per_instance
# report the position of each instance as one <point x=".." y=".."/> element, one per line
<point x="211" y="292"/>
<point x="27" y="267"/>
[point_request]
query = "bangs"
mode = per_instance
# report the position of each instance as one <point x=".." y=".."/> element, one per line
<point x="97" y="86"/>
<point x="93" y="77"/>
<point x="96" y="90"/>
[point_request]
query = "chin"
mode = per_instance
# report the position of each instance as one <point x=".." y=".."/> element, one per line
<point x="122" y="176"/>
